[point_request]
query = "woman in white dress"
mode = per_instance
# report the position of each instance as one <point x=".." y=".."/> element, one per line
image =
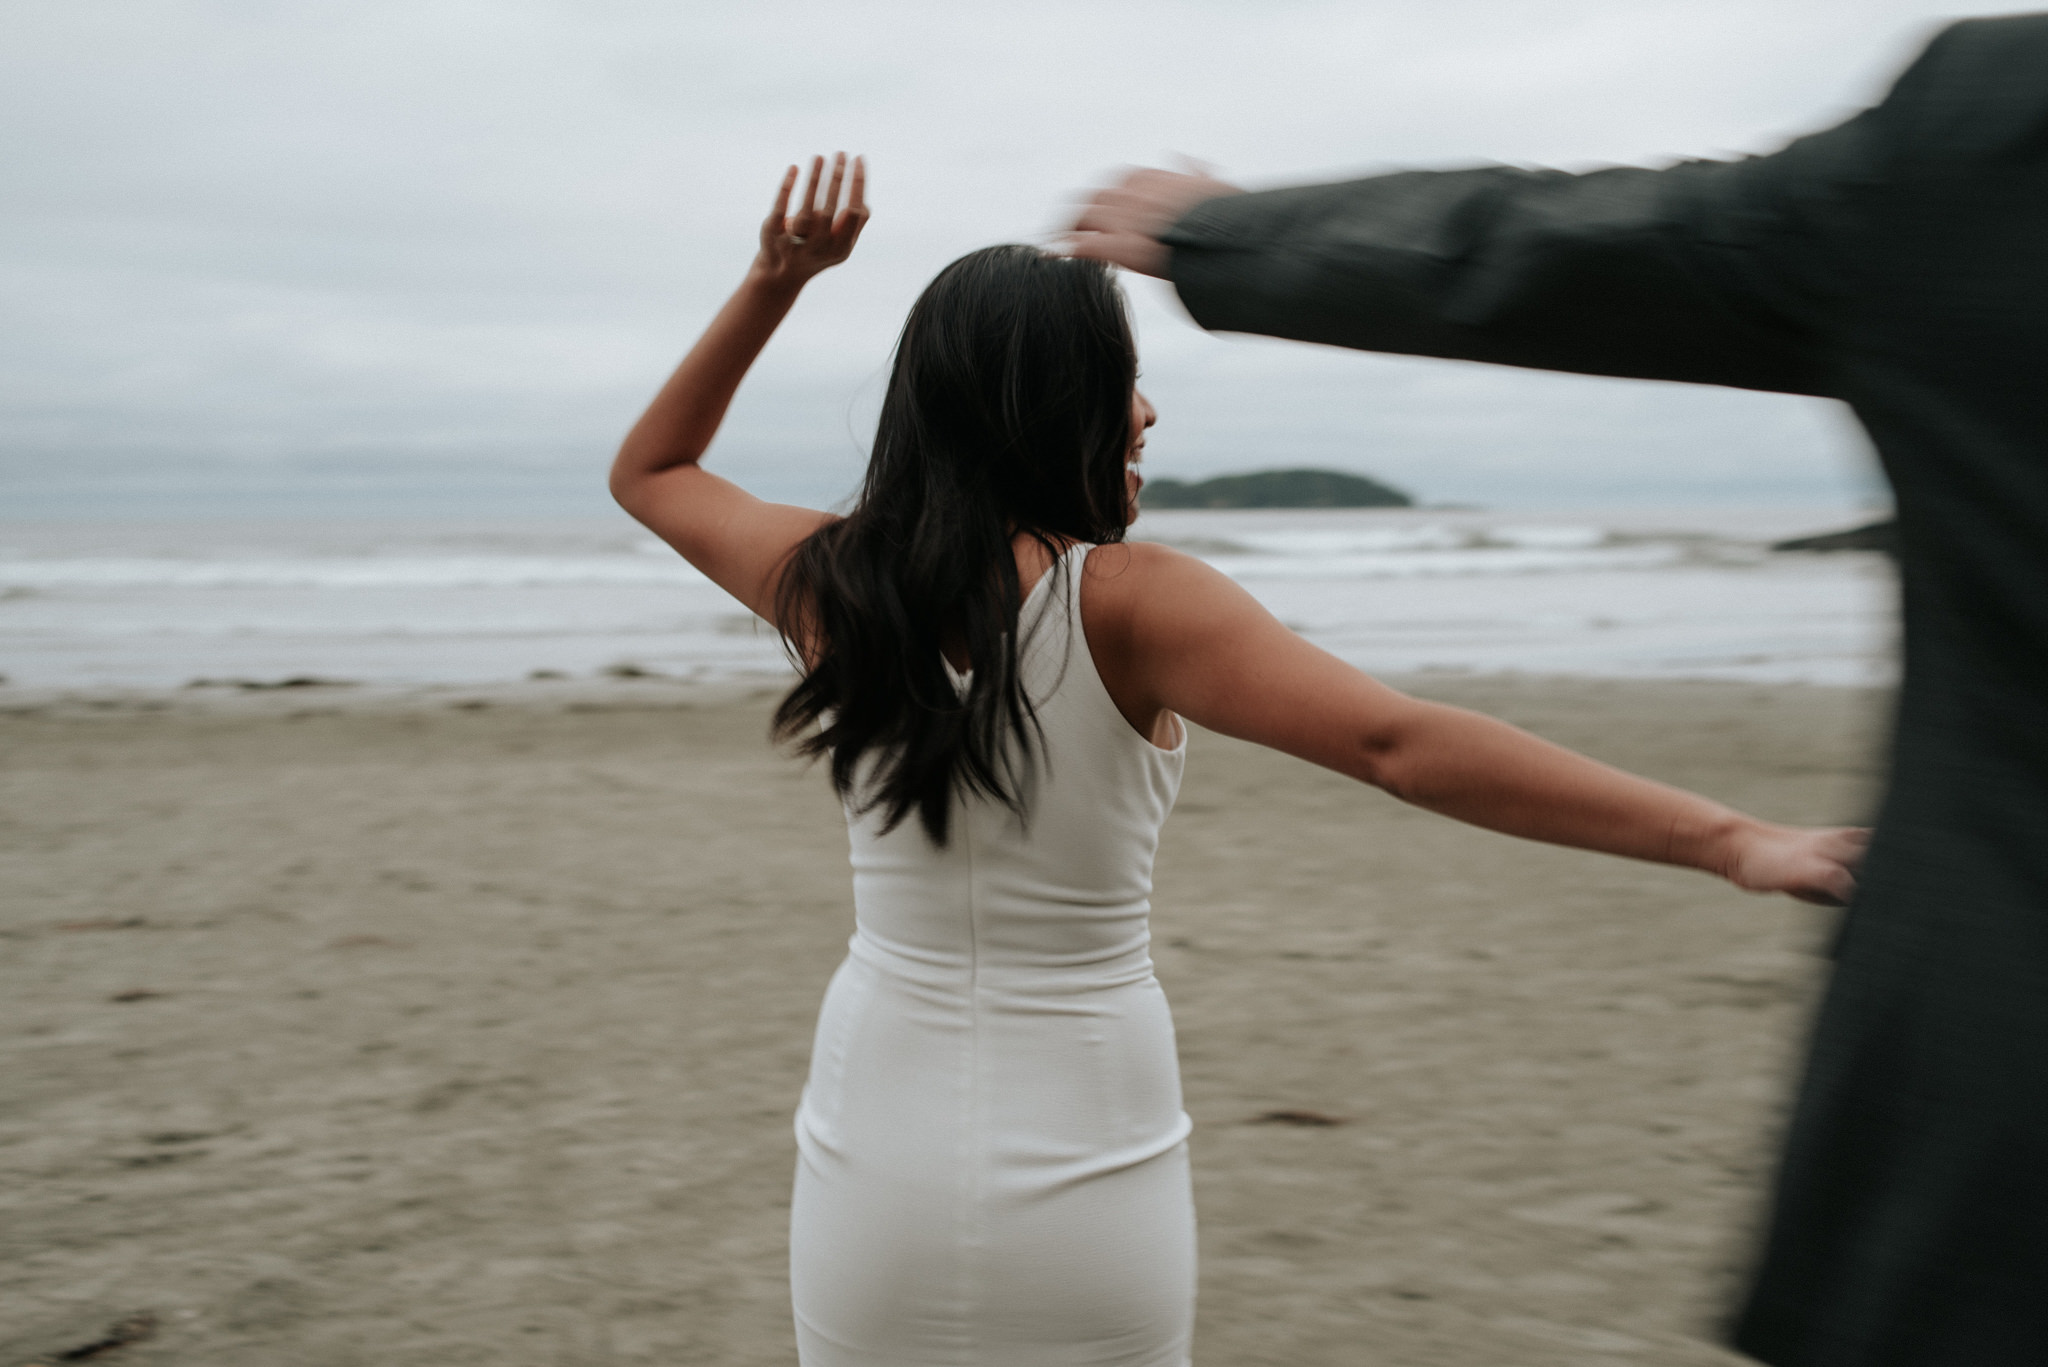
<point x="992" y="1153"/>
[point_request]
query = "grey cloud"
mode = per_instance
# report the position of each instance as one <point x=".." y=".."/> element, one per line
<point x="440" y="236"/>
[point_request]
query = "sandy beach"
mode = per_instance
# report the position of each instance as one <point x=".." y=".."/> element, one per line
<point x="465" y="1026"/>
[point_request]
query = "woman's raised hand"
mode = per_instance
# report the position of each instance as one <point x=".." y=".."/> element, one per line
<point x="820" y="234"/>
<point x="1812" y="864"/>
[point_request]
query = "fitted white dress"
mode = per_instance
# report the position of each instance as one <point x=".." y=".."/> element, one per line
<point x="992" y="1155"/>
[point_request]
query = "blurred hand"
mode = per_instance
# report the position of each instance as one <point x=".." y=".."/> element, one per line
<point x="819" y="235"/>
<point x="1122" y="223"/>
<point x="1812" y="864"/>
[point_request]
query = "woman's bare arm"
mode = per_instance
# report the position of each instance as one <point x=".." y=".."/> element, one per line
<point x="1171" y="633"/>
<point x="738" y="540"/>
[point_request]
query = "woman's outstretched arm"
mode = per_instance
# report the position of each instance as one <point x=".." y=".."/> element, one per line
<point x="1171" y="633"/>
<point x="738" y="540"/>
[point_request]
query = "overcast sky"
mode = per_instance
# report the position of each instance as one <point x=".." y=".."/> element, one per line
<point x="435" y="254"/>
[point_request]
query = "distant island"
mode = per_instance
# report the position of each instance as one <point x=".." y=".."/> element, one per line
<point x="1275" y="489"/>
<point x="1876" y="536"/>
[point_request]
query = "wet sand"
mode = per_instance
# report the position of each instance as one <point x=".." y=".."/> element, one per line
<point x="465" y="1027"/>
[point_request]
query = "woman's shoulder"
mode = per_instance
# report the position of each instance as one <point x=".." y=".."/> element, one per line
<point x="1131" y="562"/>
<point x="1135" y="594"/>
<point x="1129" y="576"/>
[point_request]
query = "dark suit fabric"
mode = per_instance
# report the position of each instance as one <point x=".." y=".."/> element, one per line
<point x="1898" y="263"/>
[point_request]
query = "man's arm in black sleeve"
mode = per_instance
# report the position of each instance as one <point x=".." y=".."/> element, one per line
<point x="1695" y="272"/>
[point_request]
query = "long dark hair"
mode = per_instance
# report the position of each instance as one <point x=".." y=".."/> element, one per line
<point x="1007" y="413"/>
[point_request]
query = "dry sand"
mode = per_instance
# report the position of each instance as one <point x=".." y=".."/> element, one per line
<point x="466" y="1028"/>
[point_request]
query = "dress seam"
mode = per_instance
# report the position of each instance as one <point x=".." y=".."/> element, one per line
<point x="975" y="1137"/>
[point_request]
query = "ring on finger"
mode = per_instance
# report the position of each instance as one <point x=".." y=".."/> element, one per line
<point x="798" y="238"/>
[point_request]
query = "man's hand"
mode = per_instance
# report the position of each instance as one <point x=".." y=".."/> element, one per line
<point x="1122" y="223"/>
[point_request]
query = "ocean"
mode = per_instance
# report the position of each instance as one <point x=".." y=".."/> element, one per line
<point x="1680" y="593"/>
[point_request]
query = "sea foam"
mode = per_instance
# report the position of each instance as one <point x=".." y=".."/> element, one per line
<point x="1658" y="594"/>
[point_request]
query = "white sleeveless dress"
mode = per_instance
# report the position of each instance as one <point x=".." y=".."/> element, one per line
<point x="992" y="1157"/>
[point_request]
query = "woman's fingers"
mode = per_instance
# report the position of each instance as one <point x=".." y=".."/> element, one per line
<point x="805" y="210"/>
<point x="811" y="184"/>
<point x="1842" y="851"/>
<point x="1842" y="884"/>
<point x="1830" y="884"/>
<point x="1811" y="864"/>
<point x="807" y="231"/>
<point x="1834" y="888"/>
<point x="856" y="215"/>
<point x="830" y="208"/>
<point x="779" y="214"/>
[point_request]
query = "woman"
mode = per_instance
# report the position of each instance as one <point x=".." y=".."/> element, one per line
<point x="993" y="1166"/>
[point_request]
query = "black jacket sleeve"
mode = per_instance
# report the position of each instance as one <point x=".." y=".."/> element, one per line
<point x="1728" y="273"/>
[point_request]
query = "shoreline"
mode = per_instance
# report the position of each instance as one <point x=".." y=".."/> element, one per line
<point x="234" y="696"/>
<point x="1596" y="592"/>
<point x="348" y="1025"/>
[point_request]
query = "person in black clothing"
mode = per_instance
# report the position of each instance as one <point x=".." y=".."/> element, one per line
<point x="1899" y="263"/>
